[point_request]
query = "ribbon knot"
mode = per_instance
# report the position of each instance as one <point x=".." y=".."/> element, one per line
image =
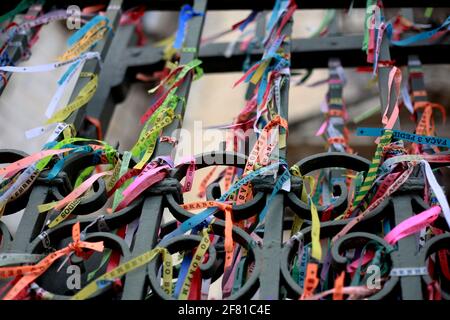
<point x="77" y="245"/>
<point x="76" y="248"/>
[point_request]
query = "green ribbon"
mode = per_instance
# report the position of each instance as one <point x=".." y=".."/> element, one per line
<point x="83" y="175"/>
<point x="327" y="19"/>
<point x="22" y="6"/>
<point x="370" y="3"/>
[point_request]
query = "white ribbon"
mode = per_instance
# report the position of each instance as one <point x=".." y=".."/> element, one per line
<point x="437" y="189"/>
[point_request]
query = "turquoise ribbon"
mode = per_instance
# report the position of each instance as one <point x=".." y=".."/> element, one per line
<point x="80" y="33"/>
<point x="421" y="36"/>
<point x="403" y="135"/>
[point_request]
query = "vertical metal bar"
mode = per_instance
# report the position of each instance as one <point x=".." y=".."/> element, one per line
<point x="383" y="81"/>
<point x="335" y="103"/>
<point x="151" y="216"/>
<point x="333" y="28"/>
<point x="273" y="231"/>
<point x="335" y="94"/>
<point x="417" y="80"/>
<point x="32" y="221"/>
<point x="260" y="34"/>
<point x="113" y="72"/>
<point x="113" y="13"/>
<point x="406" y="255"/>
<point x="415" y="66"/>
<point x="149" y="222"/>
<point x="407" y="247"/>
<point x="417" y="85"/>
<point x="335" y="90"/>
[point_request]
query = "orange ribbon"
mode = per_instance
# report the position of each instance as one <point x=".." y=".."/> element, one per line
<point x="31" y="273"/>
<point x="336" y="113"/>
<point x="204" y="183"/>
<point x="260" y="151"/>
<point x="338" y="140"/>
<point x="311" y="281"/>
<point x="339" y="286"/>
<point x="426" y="125"/>
<point x="227" y="208"/>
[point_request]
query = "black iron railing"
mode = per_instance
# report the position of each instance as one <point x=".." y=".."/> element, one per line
<point x="271" y="259"/>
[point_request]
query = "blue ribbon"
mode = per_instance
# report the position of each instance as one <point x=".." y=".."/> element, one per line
<point x="280" y="7"/>
<point x="303" y="265"/>
<point x="278" y="64"/>
<point x="248" y="20"/>
<point x="5" y="60"/>
<point x="421" y="36"/>
<point x="184" y="268"/>
<point x="262" y="87"/>
<point x="397" y="134"/>
<point x="80" y="33"/>
<point x="60" y="163"/>
<point x="186" y="14"/>
<point x="68" y="72"/>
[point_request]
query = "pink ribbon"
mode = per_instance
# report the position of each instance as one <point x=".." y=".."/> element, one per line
<point x="148" y="177"/>
<point x="14" y="167"/>
<point x="394" y="75"/>
<point x="368" y="256"/>
<point x="322" y="128"/>
<point x="82" y="188"/>
<point x="412" y="225"/>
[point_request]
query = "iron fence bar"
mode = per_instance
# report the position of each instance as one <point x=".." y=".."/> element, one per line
<point x="335" y="94"/>
<point x="260" y="34"/>
<point x="410" y="257"/>
<point x="334" y="91"/>
<point x="111" y="88"/>
<point x="151" y="215"/>
<point x="417" y="83"/>
<point x="406" y="255"/>
<point x="416" y="78"/>
<point x="335" y="104"/>
<point x="30" y="224"/>
<point x="273" y="229"/>
<point x="306" y="53"/>
<point x="315" y="52"/>
<point x="383" y="82"/>
<point x="407" y="252"/>
<point x="32" y="221"/>
<point x="113" y="13"/>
